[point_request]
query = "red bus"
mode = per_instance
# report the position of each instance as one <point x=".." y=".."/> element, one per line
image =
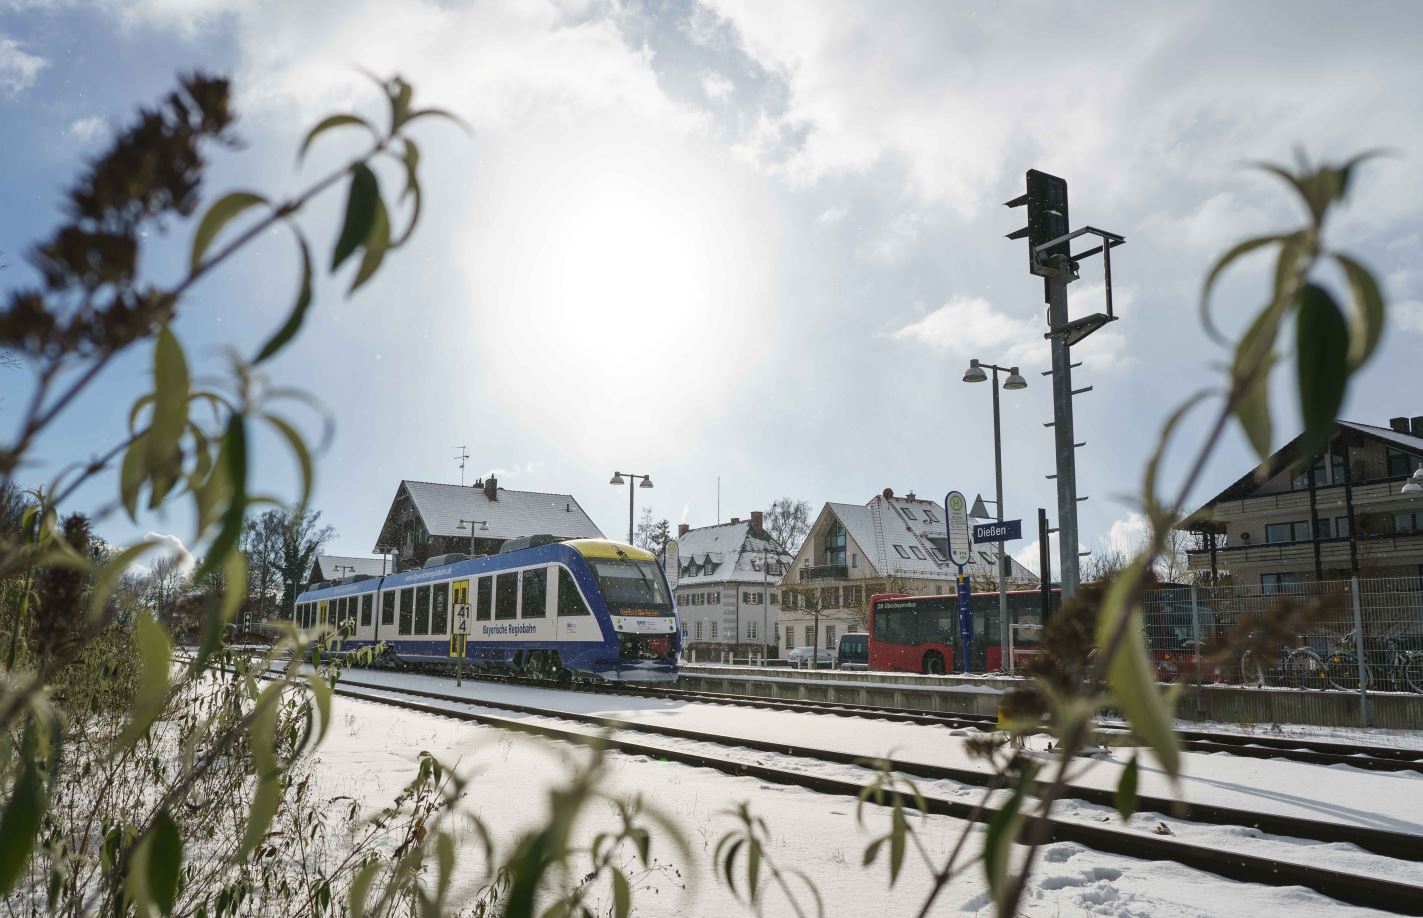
<point x="919" y="634"/>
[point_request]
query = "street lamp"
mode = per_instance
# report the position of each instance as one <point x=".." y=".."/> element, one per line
<point x="483" y="527"/>
<point x="1414" y="484"/>
<point x="617" y="479"/>
<point x="974" y="374"/>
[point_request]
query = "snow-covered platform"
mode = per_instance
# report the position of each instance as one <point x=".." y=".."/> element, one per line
<point x="980" y="694"/>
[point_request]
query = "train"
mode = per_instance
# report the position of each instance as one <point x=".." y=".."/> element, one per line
<point x="582" y="609"/>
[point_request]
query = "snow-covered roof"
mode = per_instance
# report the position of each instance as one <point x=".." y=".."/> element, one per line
<point x="907" y="537"/>
<point x="734" y="551"/>
<point x="1406" y="441"/>
<point x="508" y="514"/>
<point x="334" y="567"/>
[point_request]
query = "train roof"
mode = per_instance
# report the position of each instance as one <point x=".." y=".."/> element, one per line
<point x="588" y="548"/>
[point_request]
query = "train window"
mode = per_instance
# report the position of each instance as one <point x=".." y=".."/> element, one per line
<point x="407" y="610"/>
<point x="570" y="601"/>
<point x="440" y="609"/>
<point x="342" y="608"/>
<point x="422" y="610"/>
<point x="506" y="596"/>
<point x="387" y="608"/>
<point x="483" y="605"/>
<point x="367" y="601"/>
<point x="535" y="603"/>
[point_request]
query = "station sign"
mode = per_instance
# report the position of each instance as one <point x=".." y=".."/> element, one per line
<point x="671" y="564"/>
<point x="956" y="510"/>
<point x="1004" y="531"/>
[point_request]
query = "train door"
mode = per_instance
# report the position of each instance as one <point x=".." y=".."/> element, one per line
<point x="325" y="612"/>
<point x="459" y="632"/>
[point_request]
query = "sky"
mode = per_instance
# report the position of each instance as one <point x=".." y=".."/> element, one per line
<point x="747" y="242"/>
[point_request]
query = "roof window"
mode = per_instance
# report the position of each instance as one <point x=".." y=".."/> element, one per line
<point x="902" y="552"/>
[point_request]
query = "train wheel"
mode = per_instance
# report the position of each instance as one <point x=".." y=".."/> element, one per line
<point x="933" y="664"/>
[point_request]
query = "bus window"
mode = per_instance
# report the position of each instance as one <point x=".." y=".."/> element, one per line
<point x="506" y="596"/>
<point x="440" y="609"/>
<point x="422" y="610"/>
<point x="570" y="601"/>
<point x="387" y="608"/>
<point x="367" y="601"/>
<point x="535" y="597"/>
<point x="483" y="604"/>
<point x="407" y="610"/>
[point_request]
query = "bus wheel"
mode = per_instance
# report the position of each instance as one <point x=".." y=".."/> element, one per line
<point x="933" y="664"/>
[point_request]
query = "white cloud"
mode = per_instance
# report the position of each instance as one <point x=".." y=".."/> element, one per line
<point x="18" y="68"/>
<point x="717" y="86"/>
<point x="86" y="130"/>
<point x="1128" y="534"/>
<point x="833" y="215"/>
<point x="173" y="546"/>
<point x="1408" y="314"/>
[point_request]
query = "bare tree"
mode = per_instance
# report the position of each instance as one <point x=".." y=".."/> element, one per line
<point x="787" y="521"/>
<point x="1174" y="565"/>
<point x="163" y="586"/>
<point x="652" y="534"/>
<point x="262" y="544"/>
<point x="302" y="538"/>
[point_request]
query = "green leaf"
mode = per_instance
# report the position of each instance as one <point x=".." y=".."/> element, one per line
<point x="21" y="821"/>
<point x="897" y="833"/>
<point x="1322" y="362"/>
<point x="232" y="466"/>
<point x="1126" y="790"/>
<point x="298" y="448"/>
<point x="753" y="871"/>
<point x="1240" y="249"/>
<point x="1252" y="410"/>
<point x="321" y="690"/>
<point x="259" y="818"/>
<point x="622" y="895"/>
<point x="376" y="245"/>
<point x="411" y="160"/>
<point x="171" y="387"/>
<point x="155" y="654"/>
<point x="440" y="113"/>
<point x="360" y="888"/>
<point x="298" y="314"/>
<point x="360" y="213"/>
<point x="326" y="124"/>
<point x="1003" y="828"/>
<point x="165" y="860"/>
<point x="132" y="473"/>
<point x="400" y="93"/>
<point x="222" y="212"/>
<point x="1367" y="319"/>
<point x="1129" y="672"/>
<point x="872" y="851"/>
<point x="107" y="577"/>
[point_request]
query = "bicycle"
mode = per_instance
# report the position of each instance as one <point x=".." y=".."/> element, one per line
<point x="1296" y="667"/>
<point x="1402" y="669"/>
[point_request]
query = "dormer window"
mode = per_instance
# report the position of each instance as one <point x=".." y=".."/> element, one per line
<point x="835" y="544"/>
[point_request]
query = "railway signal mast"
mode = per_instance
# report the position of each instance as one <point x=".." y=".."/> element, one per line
<point x="1050" y="257"/>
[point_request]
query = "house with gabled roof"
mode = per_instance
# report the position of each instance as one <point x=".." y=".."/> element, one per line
<point x="336" y="567"/>
<point x="890" y="544"/>
<point x="428" y="518"/>
<point x="728" y="587"/>
<point x="1345" y="513"/>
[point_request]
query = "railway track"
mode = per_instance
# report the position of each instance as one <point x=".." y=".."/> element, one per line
<point x="1314" y="752"/>
<point x="1367" y="891"/>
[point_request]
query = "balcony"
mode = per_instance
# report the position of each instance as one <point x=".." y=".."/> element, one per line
<point x="1375" y="495"/>
<point x="825" y="572"/>
<point x="1392" y="548"/>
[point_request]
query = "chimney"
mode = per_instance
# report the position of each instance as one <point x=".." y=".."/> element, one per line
<point x="757" y="529"/>
<point x="1399" y="425"/>
<point x="491" y="488"/>
<point x="1417" y="426"/>
<point x="478" y="483"/>
<point x="682" y="529"/>
<point x="736" y="519"/>
<point x="888" y="493"/>
<point x="910" y="495"/>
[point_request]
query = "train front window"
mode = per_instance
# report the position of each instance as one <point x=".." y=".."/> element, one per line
<point x="631" y="583"/>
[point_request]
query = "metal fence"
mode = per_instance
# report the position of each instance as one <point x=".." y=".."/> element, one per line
<point x="1358" y="636"/>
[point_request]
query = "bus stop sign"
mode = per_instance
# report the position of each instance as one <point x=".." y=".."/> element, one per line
<point x="956" y="519"/>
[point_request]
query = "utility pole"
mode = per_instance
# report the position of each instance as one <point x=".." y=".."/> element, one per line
<point x="1050" y="257"/>
<point x="463" y="457"/>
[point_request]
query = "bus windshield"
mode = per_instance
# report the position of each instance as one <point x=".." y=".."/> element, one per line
<point x="631" y="583"/>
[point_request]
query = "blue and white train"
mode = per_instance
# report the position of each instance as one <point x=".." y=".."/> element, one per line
<point x="587" y="608"/>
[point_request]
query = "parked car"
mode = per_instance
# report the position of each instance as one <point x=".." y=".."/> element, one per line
<point x="854" y="652"/>
<point x="801" y="656"/>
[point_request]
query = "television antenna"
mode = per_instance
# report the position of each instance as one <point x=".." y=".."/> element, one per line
<point x="463" y="457"/>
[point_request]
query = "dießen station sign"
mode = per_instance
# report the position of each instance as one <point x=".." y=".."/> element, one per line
<point x="1005" y="531"/>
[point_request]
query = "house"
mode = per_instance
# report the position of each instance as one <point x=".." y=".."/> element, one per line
<point x="889" y="545"/>
<point x="335" y="567"/>
<point x="727" y="587"/>
<point x="1346" y="514"/>
<point x="427" y="519"/>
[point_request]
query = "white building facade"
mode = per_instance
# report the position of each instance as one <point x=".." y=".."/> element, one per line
<point x="727" y="589"/>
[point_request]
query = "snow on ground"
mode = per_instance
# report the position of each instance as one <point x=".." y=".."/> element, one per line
<point x="1389" y="800"/>
<point x="372" y="751"/>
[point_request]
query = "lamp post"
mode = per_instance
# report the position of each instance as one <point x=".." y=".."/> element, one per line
<point x="483" y="527"/>
<point x="1414" y="485"/>
<point x="975" y="374"/>
<point x="349" y="568"/>
<point x="617" y="479"/>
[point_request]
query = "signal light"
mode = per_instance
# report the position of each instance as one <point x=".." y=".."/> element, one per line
<point x="1046" y="200"/>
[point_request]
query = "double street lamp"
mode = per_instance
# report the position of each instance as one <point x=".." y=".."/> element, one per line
<point x="483" y="527"/>
<point x="617" y="479"/>
<point x="976" y="374"/>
